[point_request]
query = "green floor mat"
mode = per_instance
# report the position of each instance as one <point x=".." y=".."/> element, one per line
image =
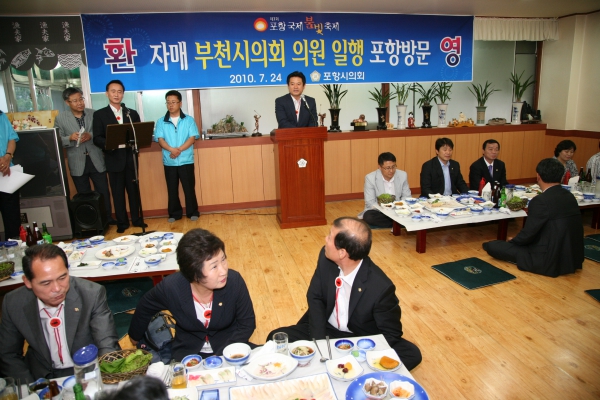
<point x="595" y="236"/>
<point x="591" y="249"/>
<point x="122" y="322"/>
<point x="124" y="295"/>
<point x="473" y="273"/>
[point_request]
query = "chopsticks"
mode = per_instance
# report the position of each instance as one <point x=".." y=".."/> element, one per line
<point x="19" y="388"/>
<point x="329" y="347"/>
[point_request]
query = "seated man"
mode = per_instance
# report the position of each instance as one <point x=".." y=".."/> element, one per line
<point x="488" y="167"/>
<point x="551" y="242"/>
<point x="441" y="174"/>
<point x="387" y="179"/>
<point x="350" y="296"/>
<point x="56" y="314"/>
<point x="594" y="165"/>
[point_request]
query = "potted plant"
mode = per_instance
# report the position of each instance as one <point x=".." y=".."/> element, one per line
<point x="334" y="94"/>
<point x="402" y="91"/>
<point x="482" y="93"/>
<point x="381" y="99"/>
<point x="442" y="94"/>
<point x="427" y="96"/>
<point x="518" y="90"/>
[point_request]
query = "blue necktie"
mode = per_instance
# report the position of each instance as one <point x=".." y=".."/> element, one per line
<point x="490" y="167"/>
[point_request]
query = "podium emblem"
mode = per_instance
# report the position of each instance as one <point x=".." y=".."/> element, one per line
<point x="302" y="163"/>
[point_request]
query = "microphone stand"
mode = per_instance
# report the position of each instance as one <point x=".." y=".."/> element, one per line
<point x="310" y="112"/>
<point x="134" y="149"/>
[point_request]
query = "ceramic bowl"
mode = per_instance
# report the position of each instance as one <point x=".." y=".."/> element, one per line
<point x="407" y="390"/>
<point x="96" y="239"/>
<point x="520" y="188"/>
<point x="38" y="386"/>
<point x="168" y="235"/>
<point x="153" y="260"/>
<point x="423" y="198"/>
<point x="416" y="218"/>
<point x="120" y="264"/>
<point x="488" y="205"/>
<point x="69" y="382"/>
<point x="411" y="200"/>
<point x="344" y="346"/>
<point x="567" y="187"/>
<point x="476" y="209"/>
<point x="344" y="369"/>
<point x="168" y="250"/>
<point x="365" y="344"/>
<point x="108" y="265"/>
<point x="588" y="196"/>
<point x="189" y="360"/>
<point x="295" y="352"/>
<point x="236" y="353"/>
<point x="156" y="237"/>
<point x="42" y="394"/>
<point x="372" y="381"/>
<point x="17" y="275"/>
<point x="168" y="242"/>
<point x="473" y="193"/>
<point x="147" y="252"/>
<point x="213" y="362"/>
<point x="149" y="245"/>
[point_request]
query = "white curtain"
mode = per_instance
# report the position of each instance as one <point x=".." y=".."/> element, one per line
<point x="515" y="29"/>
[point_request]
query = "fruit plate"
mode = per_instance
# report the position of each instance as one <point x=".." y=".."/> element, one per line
<point x="114" y="252"/>
<point x="350" y="364"/>
<point x="374" y="356"/>
<point x="270" y="367"/>
<point x="355" y="392"/>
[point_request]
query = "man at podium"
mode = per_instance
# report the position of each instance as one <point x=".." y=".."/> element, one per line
<point x="295" y="110"/>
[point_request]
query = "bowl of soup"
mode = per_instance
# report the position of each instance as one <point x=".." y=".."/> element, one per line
<point x="236" y="353"/>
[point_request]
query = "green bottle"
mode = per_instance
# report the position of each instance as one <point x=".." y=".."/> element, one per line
<point x="46" y="234"/>
<point x="78" y="390"/>
<point x="502" y="198"/>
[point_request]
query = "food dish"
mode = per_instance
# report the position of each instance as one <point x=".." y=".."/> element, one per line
<point x="303" y="351"/>
<point x="147" y="252"/>
<point x="360" y="355"/>
<point x="212" y="378"/>
<point x="114" y="252"/>
<point x="168" y="250"/>
<point x="374" y="357"/>
<point x="270" y="367"/>
<point x="375" y="389"/>
<point x="344" y="346"/>
<point x="156" y="237"/>
<point x="354" y="391"/>
<point x="108" y="265"/>
<point x="153" y="260"/>
<point x="168" y="242"/>
<point x="83" y="265"/>
<point x="236" y="353"/>
<point x="212" y="362"/>
<point x="309" y="387"/>
<point x="96" y="239"/>
<point x="402" y="390"/>
<point x="344" y="369"/>
<point x="462" y="214"/>
<point x="76" y="255"/>
<point x="365" y="344"/>
<point x="17" y="275"/>
<point x="127" y="239"/>
<point x="42" y="394"/>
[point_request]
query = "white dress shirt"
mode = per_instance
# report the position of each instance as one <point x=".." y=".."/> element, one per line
<point x="343" y="301"/>
<point x="389" y="186"/>
<point x="118" y="114"/>
<point x="54" y="336"/>
<point x="200" y="308"/>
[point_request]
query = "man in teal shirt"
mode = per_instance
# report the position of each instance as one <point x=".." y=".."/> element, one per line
<point x="9" y="202"/>
<point x="176" y="134"/>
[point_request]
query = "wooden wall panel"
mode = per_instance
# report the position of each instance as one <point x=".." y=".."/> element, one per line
<point x="216" y="182"/>
<point x="153" y="187"/>
<point x="246" y="173"/>
<point x="396" y="146"/>
<point x="466" y="151"/>
<point x="512" y="143"/>
<point x="550" y="145"/>
<point x="533" y="153"/>
<point x="364" y="154"/>
<point x="418" y="150"/>
<point x="338" y="167"/>
<point x="268" y="170"/>
<point x="586" y="147"/>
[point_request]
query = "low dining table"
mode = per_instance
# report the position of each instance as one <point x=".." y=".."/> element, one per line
<point x="135" y="267"/>
<point x="421" y="227"/>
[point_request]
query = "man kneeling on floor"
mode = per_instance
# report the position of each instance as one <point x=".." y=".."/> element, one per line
<point x="350" y="296"/>
<point x="551" y="242"/>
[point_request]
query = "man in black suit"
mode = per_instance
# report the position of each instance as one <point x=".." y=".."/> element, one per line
<point x="351" y="296"/>
<point x="295" y="110"/>
<point x="441" y="174"/>
<point x="488" y="167"/>
<point x="119" y="162"/>
<point x="551" y="242"/>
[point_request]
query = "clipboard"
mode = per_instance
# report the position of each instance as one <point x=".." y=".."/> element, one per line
<point x="119" y="136"/>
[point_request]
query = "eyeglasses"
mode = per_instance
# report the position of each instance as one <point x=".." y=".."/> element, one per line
<point x="392" y="168"/>
<point x="172" y="103"/>
<point x="80" y="100"/>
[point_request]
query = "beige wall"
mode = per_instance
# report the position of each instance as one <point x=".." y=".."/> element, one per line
<point x="570" y="84"/>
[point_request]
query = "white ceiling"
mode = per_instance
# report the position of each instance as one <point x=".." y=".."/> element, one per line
<point x="495" y="8"/>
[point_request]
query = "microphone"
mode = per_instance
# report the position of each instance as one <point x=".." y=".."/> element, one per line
<point x="126" y="109"/>
<point x="308" y="108"/>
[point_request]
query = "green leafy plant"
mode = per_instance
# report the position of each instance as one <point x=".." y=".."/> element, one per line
<point x="482" y="93"/>
<point x="402" y="91"/>
<point x="519" y="86"/>
<point x="442" y="92"/>
<point x="380" y="98"/>
<point x="427" y="96"/>
<point x="334" y="94"/>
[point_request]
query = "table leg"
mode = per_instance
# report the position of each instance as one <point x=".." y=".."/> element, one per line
<point x="502" y="229"/>
<point x="596" y="218"/>
<point x="422" y="241"/>
<point x="396" y="229"/>
<point x="156" y="279"/>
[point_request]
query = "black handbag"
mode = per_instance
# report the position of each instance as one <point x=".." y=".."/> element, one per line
<point x="158" y="337"/>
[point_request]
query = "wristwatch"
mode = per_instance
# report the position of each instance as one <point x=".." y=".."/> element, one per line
<point x="10" y="154"/>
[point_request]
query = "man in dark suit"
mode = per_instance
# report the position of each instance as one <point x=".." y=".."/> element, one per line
<point x="551" y="242"/>
<point x="488" y="167"/>
<point x="295" y="110"/>
<point x="441" y="174"/>
<point x="56" y="314"/>
<point x="119" y="162"/>
<point x="351" y="296"/>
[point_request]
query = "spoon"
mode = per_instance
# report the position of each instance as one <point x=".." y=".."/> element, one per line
<point x="328" y="347"/>
<point x="323" y="359"/>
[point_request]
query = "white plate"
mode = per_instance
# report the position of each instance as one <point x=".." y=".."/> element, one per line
<point x="147" y="252"/>
<point x="148" y="245"/>
<point x="117" y="252"/>
<point x="271" y="367"/>
<point x="98" y="238"/>
<point x="212" y="377"/>
<point x="172" y="250"/>
<point x="373" y="357"/>
<point x="461" y="214"/>
<point x="337" y="374"/>
<point x="168" y="242"/>
<point x="295" y="388"/>
<point x="76" y="255"/>
<point x="127" y="239"/>
<point x="90" y="265"/>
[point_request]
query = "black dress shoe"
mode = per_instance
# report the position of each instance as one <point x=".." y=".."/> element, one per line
<point x="140" y="224"/>
<point x="121" y="230"/>
<point x="112" y="221"/>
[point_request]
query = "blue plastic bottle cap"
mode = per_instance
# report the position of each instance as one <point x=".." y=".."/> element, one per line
<point x="85" y="355"/>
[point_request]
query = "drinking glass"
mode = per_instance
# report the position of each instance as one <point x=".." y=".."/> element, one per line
<point x="179" y="380"/>
<point x="281" y="342"/>
<point x="10" y="390"/>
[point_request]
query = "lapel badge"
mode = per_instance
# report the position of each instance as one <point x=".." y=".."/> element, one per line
<point x="76" y="309"/>
<point x="220" y="304"/>
<point x="360" y="289"/>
